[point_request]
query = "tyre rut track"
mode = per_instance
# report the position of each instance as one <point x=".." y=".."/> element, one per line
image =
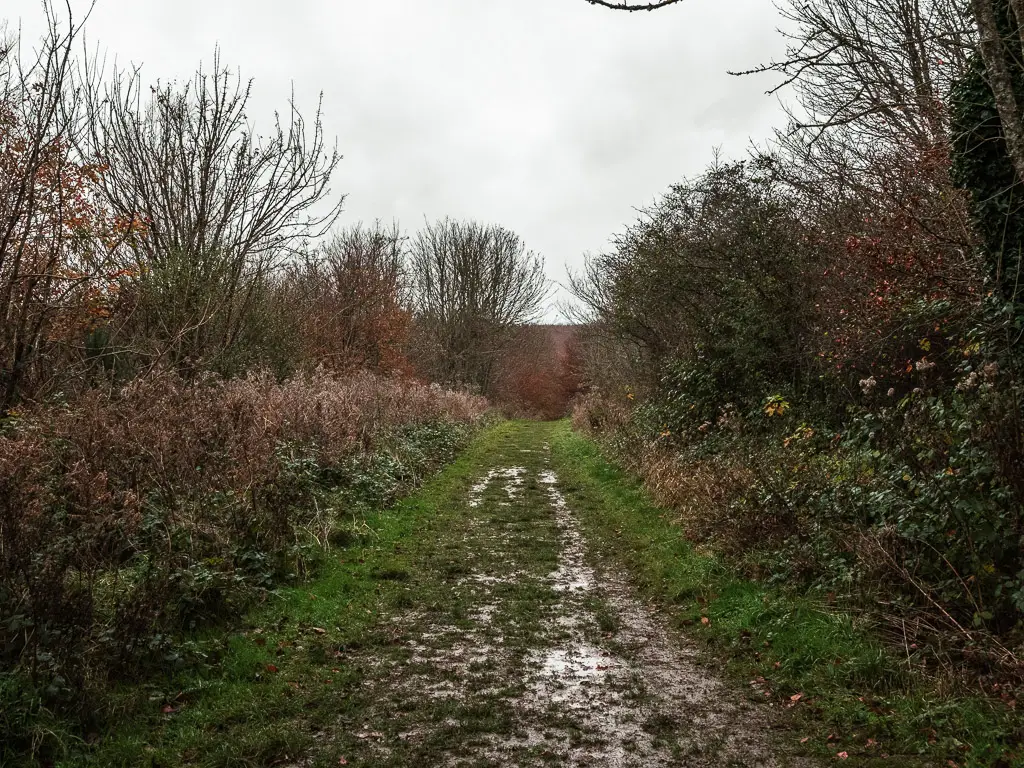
<point x="528" y="652"/>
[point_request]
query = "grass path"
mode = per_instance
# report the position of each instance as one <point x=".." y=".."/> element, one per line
<point x="490" y="620"/>
<point x="521" y="649"/>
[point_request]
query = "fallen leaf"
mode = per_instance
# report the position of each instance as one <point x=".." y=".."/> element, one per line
<point x="168" y="709"/>
<point x="796" y="697"/>
<point x="319" y="631"/>
<point x="843" y="755"/>
<point x="271" y="668"/>
<point x="805" y="739"/>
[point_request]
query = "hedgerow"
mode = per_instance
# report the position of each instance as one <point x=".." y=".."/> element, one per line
<point x="130" y="518"/>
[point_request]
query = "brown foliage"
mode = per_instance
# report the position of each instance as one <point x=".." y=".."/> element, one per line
<point x="141" y="509"/>
<point x="909" y="244"/>
<point x="58" y="241"/>
<point x="346" y="304"/>
<point x="701" y="492"/>
<point x="541" y="372"/>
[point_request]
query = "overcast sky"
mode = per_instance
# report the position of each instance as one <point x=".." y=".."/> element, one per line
<point x="554" y="118"/>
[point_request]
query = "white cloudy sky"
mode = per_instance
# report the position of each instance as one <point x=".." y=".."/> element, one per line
<point x="554" y="118"/>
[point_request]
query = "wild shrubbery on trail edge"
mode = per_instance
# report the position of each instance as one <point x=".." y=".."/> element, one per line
<point x="873" y="457"/>
<point x="130" y="517"/>
<point x="814" y="355"/>
<point x="903" y="510"/>
<point x="201" y="382"/>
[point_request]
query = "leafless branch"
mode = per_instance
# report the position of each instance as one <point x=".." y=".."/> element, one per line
<point x="630" y="7"/>
<point x="472" y="283"/>
<point x="220" y="207"/>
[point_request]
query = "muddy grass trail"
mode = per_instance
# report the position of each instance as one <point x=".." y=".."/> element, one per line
<point x="531" y="650"/>
<point x="486" y="621"/>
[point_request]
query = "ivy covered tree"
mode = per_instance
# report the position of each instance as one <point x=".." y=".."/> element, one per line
<point x="983" y="162"/>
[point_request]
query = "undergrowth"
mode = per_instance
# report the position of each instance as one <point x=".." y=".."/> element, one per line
<point x="131" y="521"/>
<point x="281" y="682"/>
<point x="848" y="691"/>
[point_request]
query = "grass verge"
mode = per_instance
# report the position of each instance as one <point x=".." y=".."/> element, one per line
<point x="848" y="697"/>
<point x="273" y="687"/>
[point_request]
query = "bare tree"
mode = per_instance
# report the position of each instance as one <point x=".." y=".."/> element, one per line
<point x="869" y="135"/>
<point x="877" y="71"/>
<point x="221" y="207"/>
<point x="877" y="67"/>
<point x="472" y="283"/>
<point x="350" y="300"/>
<point x="870" y="78"/>
<point x="51" y="246"/>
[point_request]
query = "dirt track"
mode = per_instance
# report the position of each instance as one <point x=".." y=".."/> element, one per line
<point x="531" y="651"/>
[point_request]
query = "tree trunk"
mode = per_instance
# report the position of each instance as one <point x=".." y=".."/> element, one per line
<point x="997" y="69"/>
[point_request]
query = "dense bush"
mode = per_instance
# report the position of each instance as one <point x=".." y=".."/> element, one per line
<point x="130" y="516"/>
<point x="907" y="505"/>
<point x="701" y="271"/>
<point x="817" y="355"/>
